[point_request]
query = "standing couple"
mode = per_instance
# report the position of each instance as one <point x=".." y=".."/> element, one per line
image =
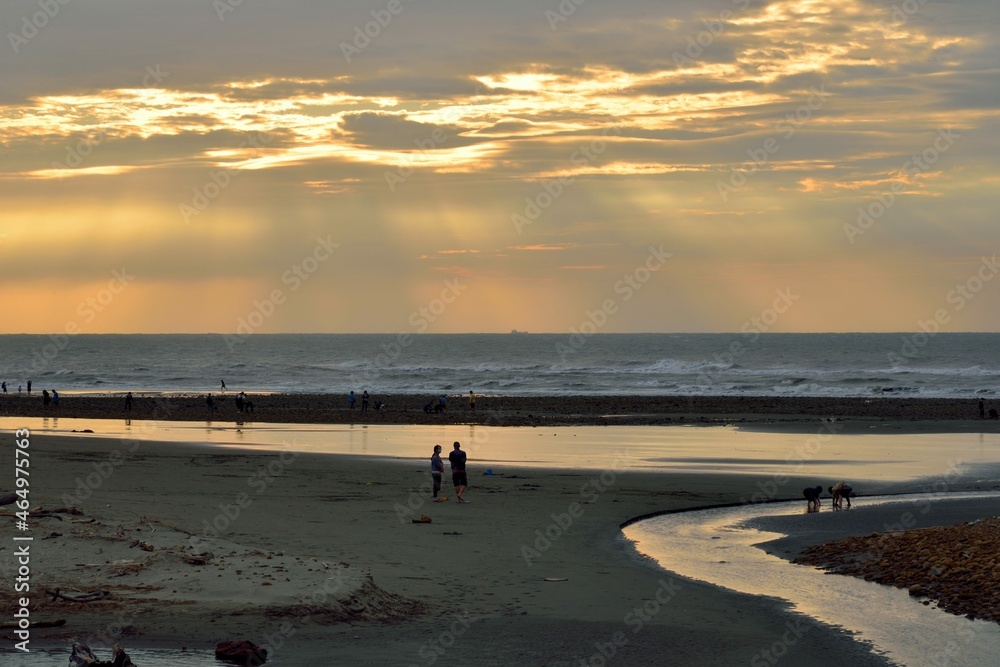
<point x="458" y="476"/>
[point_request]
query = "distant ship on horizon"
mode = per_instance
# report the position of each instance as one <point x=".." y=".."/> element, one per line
<point x="515" y="331"/>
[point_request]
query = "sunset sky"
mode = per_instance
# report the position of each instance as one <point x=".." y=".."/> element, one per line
<point x="420" y="165"/>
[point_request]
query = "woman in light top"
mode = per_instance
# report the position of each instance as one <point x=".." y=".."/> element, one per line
<point x="437" y="469"/>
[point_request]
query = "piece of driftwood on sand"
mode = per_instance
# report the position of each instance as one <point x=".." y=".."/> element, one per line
<point x="78" y="597"/>
<point x="82" y="656"/>
<point x="35" y="624"/>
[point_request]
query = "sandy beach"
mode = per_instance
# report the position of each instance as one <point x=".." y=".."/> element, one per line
<point x="316" y="558"/>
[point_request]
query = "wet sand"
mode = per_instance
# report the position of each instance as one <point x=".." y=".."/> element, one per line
<point x="316" y="557"/>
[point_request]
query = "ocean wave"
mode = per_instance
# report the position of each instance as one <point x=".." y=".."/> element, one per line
<point x="620" y="364"/>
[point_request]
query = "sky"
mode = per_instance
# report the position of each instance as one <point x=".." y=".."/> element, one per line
<point x="242" y="166"/>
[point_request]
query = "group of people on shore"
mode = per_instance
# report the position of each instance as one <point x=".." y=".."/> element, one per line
<point x="243" y="404"/>
<point x="47" y="397"/>
<point x="459" y="478"/>
<point x="840" y="491"/>
<point x="365" y="398"/>
<point x="442" y="403"/>
<point x="20" y="387"/>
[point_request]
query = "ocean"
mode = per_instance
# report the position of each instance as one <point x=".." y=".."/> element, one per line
<point x="958" y="365"/>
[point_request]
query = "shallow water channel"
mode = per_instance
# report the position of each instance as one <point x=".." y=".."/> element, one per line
<point x="59" y="657"/>
<point x="717" y="546"/>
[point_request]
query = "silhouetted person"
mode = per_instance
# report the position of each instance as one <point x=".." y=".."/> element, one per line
<point x="364" y="401"/>
<point x="4" y="385"/>
<point x="45" y="398"/>
<point x="128" y="402"/>
<point x="209" y="403"/>
<point x="350" y="399"/>
<point x="457" y="458"/>
<point x="840" y="491"/>
<point x="811" y="494"/>
<point x="55" y="398"/>
<point x="223" y="385"/>
<point x="29" y="386"/>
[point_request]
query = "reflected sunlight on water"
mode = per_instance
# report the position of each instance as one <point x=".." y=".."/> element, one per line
<point x="715" y="546"/>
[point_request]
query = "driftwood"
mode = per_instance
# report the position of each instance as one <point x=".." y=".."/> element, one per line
<point x="75" y="511"/>
<point x="35" y="624"/>
<point x="198" y="559"/>
<point x="83" y="657"/>
<point x="241" y="653"/>
<point x="41" y="512"/>
<point x="78" y="597"/>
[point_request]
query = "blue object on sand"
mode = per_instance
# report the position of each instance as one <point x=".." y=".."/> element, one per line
<point x="489" y="471"/>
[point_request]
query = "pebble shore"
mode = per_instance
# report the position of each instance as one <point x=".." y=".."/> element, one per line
<point x="954" y="566"/>
<point x="501" y="410"/>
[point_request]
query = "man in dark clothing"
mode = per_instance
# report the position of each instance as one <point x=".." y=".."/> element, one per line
<point x="458" y="476"/>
